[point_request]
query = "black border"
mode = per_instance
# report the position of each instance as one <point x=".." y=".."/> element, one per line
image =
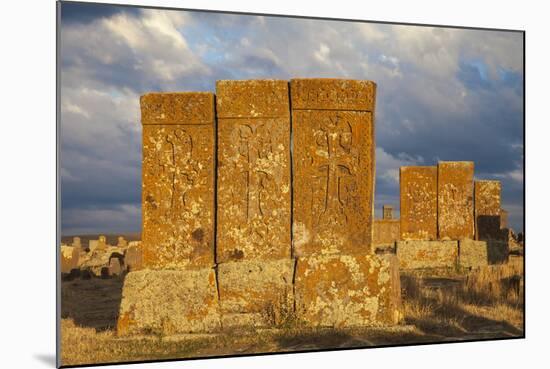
<point x="58" y="183"/>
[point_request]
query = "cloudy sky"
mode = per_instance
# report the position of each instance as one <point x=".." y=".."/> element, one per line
<point x="443" y="94"/>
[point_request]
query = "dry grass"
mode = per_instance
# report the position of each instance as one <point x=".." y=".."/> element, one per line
<point x="486" y="303"/>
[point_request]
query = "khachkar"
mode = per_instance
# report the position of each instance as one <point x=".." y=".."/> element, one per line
<point x="176" y="290"/>
<point x="455" y="201"/>
<point x="418" y="198"/>
<point x="253" y="246"/>
<point x="252" y="276"/>
<point x="178" y="180"/>
<point x="487" y="209"/>
<point x="253" y="170"/>
<point x="338" y="281"/>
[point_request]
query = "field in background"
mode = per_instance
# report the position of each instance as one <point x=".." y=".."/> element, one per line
<point x="486" y="303"/>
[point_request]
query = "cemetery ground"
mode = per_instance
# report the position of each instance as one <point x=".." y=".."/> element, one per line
<point x="486" y="303"/>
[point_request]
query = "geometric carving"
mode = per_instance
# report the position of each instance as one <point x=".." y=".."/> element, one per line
<point x="333" y="166"/>
<point x="418" y="196"/>
<point x="455" y="200"/>
<point x="253" y="189"/>
<point x="178" y="180"/>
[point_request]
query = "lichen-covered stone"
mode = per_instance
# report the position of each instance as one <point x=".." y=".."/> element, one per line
<point x="487" y="209"/>
<point x="178" y="180"/>
<point x="427" y="254"/>
<point x="133" y="257"/>
<point x="418" y="197"/>
<point x="69" y="258"/>
<point x="169" y="302"/>
<point x="333" y="161"/>
<point x="348" y="290"/>
<point x="253" y="189"/>
<point x="333" y="94"/>
<point x="255" y="293"/>
<point x="473" y="254"/>
<point x="455" y="200"/>
<point x="385" y="231"/>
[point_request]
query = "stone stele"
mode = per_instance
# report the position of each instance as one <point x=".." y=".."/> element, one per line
<point x="487" y="209"/>
<point x="255" y="293"/>
<point x="427" y="254"/>
<point x="455" y="200"/>
<point x="348" y="290"/>
<point x="418" y="197"/>
<point x="385" y="231"/>
<point x="253" y="189"/>
<point x="178" y="180"/>
<point x="169" y="302"/>
<point x="333" y="161"/>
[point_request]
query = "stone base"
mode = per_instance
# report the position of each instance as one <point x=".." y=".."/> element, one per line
<point x="498" y="251"/>
<point x="472" y="254"/>
<point x="255" y="293"/>
<point x="427" y="254"/>
<point x="169" y="302"/>
<point x="348" y="290"/>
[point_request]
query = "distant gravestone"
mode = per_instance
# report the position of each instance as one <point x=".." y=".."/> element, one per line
<point x="333" y="161"/>
<point x="93" y="245"/>
<point x="102" y="243"/>
<point x="121" y="242"/>
<point x="503" y="219"/>
<point x="178" y="179"/>
<point x="69" y="258"/>
<point x="418" y="199"/>
<point x="77" y="243"/>
<point x="385" y="231"/>
<point x="387" y="212"/>
<point x="455" y="200"/>
<point x="253" y="189"/>
<point x="114" y="266"/>
<point x="487" y="209"/>
<point x="133" y="258"/>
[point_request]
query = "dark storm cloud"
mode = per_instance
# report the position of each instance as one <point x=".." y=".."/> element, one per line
<point x="443" y="94"/>
<point x="81" y="13"/>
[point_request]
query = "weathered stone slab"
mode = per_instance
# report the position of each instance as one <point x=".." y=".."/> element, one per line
<point x="333" y="94"/>
<point x="69" y="258"/>
<point x="102" y="243"/>
<point x="133" y="258"/>
<point x="418" y="197"/>
<point x="473" y="254"/>
<point x="333" y="161"/>
<point x="498" y="251"/>
<point x="348" y="290"/>
<point x="255" y="293"/>
<point x="121" y="242"/>
<point x="455" y="200"/>
<point x="169" y="302"/>
<point x="386" y="231"/>
<point x="77" y="243"/>
<point x="93" y="245"/>
<point x="178" y="180"/>
<point x="427" y="254"/>
<point x="115" y="268"/>
<point x="253" y="189"/>
<point x="487" y="209"/>
<point x="387" y="212"/>
<point x="503" y="219"/>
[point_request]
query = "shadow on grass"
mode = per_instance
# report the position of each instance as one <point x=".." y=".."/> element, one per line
<point x="92" y="303"/>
